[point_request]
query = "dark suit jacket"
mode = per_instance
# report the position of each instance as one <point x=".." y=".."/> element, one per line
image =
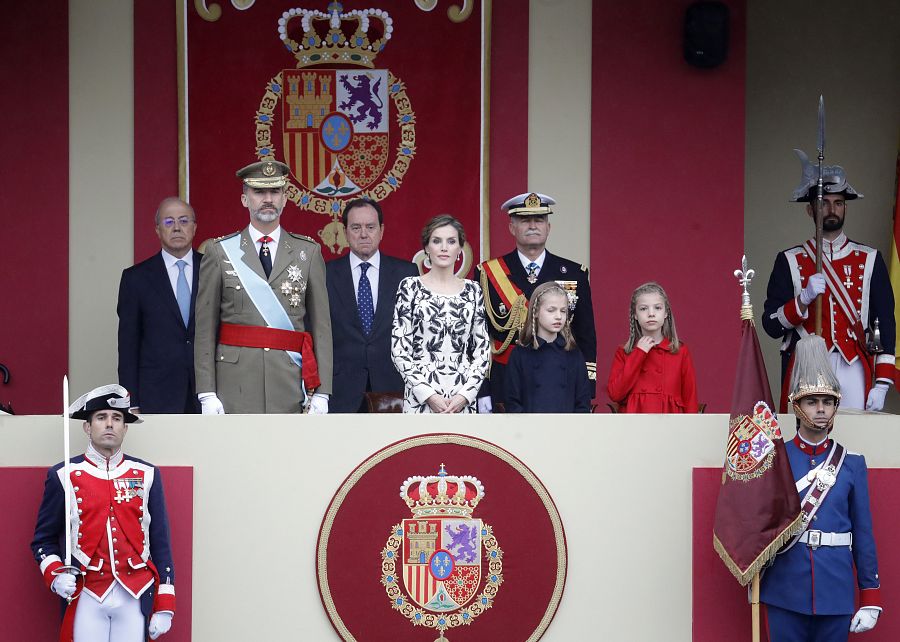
<point x="359" y="359"/>
<point x="156" y="351"/>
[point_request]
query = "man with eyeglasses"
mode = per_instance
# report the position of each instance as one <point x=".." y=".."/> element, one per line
<point x="156" y="317"/>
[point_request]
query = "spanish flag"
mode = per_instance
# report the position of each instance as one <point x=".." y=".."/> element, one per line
<point x="895" y="262"/>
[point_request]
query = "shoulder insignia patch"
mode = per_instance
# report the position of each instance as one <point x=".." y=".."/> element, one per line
<point x="302" y="237"/>
<point x="226" y="236"/>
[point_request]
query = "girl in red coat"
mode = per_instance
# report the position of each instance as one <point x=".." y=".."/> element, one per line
<point x="653" y="371"/>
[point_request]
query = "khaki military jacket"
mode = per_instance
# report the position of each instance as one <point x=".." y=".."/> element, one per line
<point x="260" y="380"/>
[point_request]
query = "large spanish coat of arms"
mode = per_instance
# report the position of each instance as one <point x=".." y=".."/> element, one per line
<point x="329" y="117"/>
<point x="434" y="563"/>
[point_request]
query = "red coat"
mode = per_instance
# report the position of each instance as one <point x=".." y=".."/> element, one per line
<point x="653" y="382"/>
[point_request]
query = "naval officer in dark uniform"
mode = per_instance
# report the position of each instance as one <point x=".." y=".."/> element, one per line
<point x="509" y="281"/>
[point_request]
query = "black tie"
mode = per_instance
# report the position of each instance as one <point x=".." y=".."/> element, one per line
<point x="265" y="257"/>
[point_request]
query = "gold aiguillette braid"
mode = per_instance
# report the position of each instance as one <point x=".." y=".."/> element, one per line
<point x="515" y="318"/>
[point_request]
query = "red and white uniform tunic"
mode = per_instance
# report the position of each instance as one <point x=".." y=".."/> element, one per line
<point x="119" y="529"/>
<point x="860" y="273"/>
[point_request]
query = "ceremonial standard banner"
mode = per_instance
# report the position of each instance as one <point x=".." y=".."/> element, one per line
<point x="758" y="508"/>
<point x="443" y="536"/>
<point x="358" y="99"/>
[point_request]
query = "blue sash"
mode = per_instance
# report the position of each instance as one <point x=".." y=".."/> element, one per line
<point x="261" y="294"/>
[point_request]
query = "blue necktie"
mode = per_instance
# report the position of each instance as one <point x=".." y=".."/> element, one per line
<point x="183" y="292"/>
<point x="364" y="300"/>
<point x="532" y="272"/>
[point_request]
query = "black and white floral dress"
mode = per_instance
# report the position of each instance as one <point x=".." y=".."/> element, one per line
<point x="439" y="343"/>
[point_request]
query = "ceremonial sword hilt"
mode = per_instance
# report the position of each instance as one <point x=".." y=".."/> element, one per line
<point x="71" y="570"/>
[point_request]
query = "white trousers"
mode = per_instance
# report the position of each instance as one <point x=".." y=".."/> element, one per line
<point x="117" y="618"/>
<point x="851" y="376"/>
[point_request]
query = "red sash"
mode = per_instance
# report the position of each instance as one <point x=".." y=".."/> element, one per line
<point x="257" y="336"/>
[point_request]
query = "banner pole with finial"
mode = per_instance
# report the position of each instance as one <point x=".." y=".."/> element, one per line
<point x="744" y="276"/>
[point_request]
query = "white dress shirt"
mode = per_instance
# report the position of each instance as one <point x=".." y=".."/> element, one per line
<point x="373" y="271"/>
<point x="539" y="260"/>
<point x="172" y="269"/>
<point x="275" y="235"/>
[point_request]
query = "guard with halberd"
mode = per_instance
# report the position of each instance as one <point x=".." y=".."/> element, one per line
<point x="117" y="568"/>
<point x="258" y="289"/>
<point x="510" y="280"/>
<point x="855" y="293"/>
<point x="809" y="589"/>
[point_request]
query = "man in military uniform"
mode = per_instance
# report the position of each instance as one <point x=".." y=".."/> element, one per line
<point x="509" y="281"/>
<point x="856" y="294"/>
<point x="253" y="352"/>
<point x="123" y="569"/>
<point x="809" y="589"/>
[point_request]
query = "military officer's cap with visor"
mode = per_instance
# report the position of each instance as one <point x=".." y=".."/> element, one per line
<point x="529" y="204"/>
<point x="264" y="174"/>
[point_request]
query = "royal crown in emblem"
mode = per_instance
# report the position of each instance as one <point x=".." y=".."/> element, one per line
<point x="332" y="117"/>
<point x="442" y="494"/>
<point x="433" y="565"/>
<point x="324" y="39"/>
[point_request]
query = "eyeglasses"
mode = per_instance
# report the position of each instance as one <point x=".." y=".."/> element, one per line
<point x="182" y="220"/>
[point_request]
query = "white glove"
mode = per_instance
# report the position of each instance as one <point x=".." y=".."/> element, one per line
<point x="485" y="406"/>
<point x="318" y="405"/>
<point x="814" y="287"/>
<point x="875" y="400"/>
<point x="63" y="585"/>
<point x="210" y="404"/>
<point x="865" y="619"/>
<point x="160" y="623"/>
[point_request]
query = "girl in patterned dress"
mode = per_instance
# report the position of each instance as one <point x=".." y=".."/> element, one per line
<point x="439" y="340"/>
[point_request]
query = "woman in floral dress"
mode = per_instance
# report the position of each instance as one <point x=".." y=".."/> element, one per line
<point x="439" y="341"/>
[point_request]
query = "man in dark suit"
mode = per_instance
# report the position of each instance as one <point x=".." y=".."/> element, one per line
<point x="156" y="317"/>
<point x="508" y="282"/>
<point x="362" y="290"/>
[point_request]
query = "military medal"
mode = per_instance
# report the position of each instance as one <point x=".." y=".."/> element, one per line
<point x="532" y="278"/>
<point x="294" y="288"/>
<point x="571" y="289"/>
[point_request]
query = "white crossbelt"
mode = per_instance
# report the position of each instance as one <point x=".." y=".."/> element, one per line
<point x="815" y="539"/>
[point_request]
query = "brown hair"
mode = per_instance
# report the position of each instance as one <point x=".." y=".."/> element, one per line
<point x="528" y="333"/>
<point x="634" y="328"/>
<point x="442" y="220"/>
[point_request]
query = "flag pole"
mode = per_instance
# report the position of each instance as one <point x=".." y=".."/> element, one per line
<point x="754" y="606"/>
